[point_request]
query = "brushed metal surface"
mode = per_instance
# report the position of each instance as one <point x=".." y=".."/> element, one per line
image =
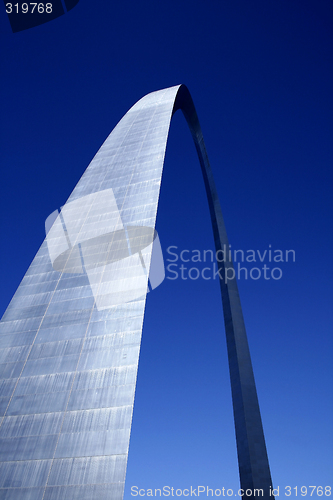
<point x="70" y="349"/>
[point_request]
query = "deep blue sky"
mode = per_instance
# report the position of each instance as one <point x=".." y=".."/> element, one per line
<point x="260" y="73"/>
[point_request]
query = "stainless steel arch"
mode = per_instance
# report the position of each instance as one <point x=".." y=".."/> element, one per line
<point x="253" y="462"/>
<point x="71" y="335"/>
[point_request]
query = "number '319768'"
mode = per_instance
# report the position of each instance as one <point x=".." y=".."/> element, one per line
<point x="28" y="8"/>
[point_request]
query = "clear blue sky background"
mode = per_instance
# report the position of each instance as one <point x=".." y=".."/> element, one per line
<point x="260" y="73"/>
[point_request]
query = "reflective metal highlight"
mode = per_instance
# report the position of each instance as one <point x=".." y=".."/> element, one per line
<point x="70" y="338"/>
